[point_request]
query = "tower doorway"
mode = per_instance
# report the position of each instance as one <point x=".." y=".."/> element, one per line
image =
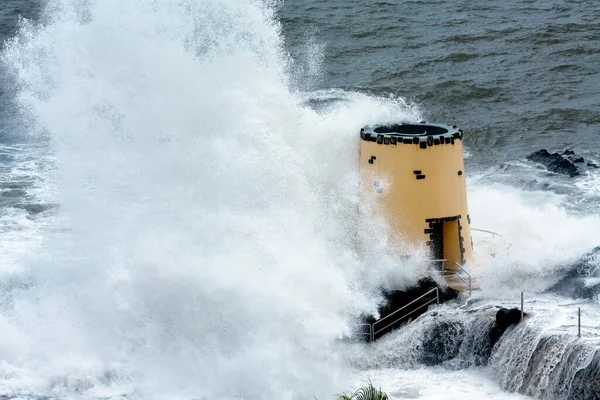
<point x="445" y="240"/>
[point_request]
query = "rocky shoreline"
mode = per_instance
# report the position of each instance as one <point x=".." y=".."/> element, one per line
<point x="567" y="163"/>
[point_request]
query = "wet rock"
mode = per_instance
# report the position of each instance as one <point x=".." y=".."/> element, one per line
<point x="591" y="164"/>
<point x="476" y="348"/>
<point x="587" y="265"/>
<point x="573" y="284"/>
<point x="504" y="318"/>
<point x="35" y="208"/>
<point x="576" y="159"/>
<point x="571" y="156"/>
<point x="533" y="379"/>
<point x="586" y="384"/>
<point x="396" y="299"/>
<point x="554" y="162"/>
<point x="560" y="368"/>
<point x="442" y="342"/>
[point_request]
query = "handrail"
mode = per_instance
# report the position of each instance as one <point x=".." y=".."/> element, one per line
<point x="483" y="230"/>
<point x="404" y="316"/>
<point x="448" y="273"/>
<point x="437" y="298"/>
<point x="454" y="273"/>
<point x="370" y="333"/>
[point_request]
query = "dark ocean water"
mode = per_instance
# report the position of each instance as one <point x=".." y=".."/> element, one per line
<point x="517" y="75"/>
<point x="12" y="10"/>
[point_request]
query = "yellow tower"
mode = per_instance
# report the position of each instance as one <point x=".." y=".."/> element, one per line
<point x="413" y="175"/>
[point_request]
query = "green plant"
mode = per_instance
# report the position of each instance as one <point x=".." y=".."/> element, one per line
<point x="368" y="392"/>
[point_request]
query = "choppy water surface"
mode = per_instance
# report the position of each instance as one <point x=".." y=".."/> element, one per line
<point x="178" y="185"/>
<point x="517" y="74"/>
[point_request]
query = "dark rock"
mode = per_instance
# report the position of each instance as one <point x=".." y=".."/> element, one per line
<point x="568" y="153"/>
<point x="573" y="283"/>
<point x="591" y="164"/>
<point x="573" y="377"/>
<point x="587" y="265"/>
<point x="586" y="383"/>
<point x="576" y="288"/>
<point x="476" y="347"/>
<point x="397" y="299"/>
<point x="576" y="159"/>
<point x="554" y="162"/>
<point x="504" y="318"/>
<point x="442" y="342"/>
<point x="531" y="380"/>
<point x="35" y="208"/>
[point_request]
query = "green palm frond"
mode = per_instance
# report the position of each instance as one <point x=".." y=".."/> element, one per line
<point x="368" y="392"/>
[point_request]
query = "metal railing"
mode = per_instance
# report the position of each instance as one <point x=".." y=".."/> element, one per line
<point x="374" y="331"/>
<point x="373" y="328"/>
<point x="370" y="333"/>
<point x="460" y="267"/>
<point x="483" y="230"/>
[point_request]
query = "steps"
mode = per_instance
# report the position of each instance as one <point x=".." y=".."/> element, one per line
<point x="412" y="305"/>
<point x="374" y="330"/>
<point x="456" y="276"/>
<point x="458" y="283"/>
